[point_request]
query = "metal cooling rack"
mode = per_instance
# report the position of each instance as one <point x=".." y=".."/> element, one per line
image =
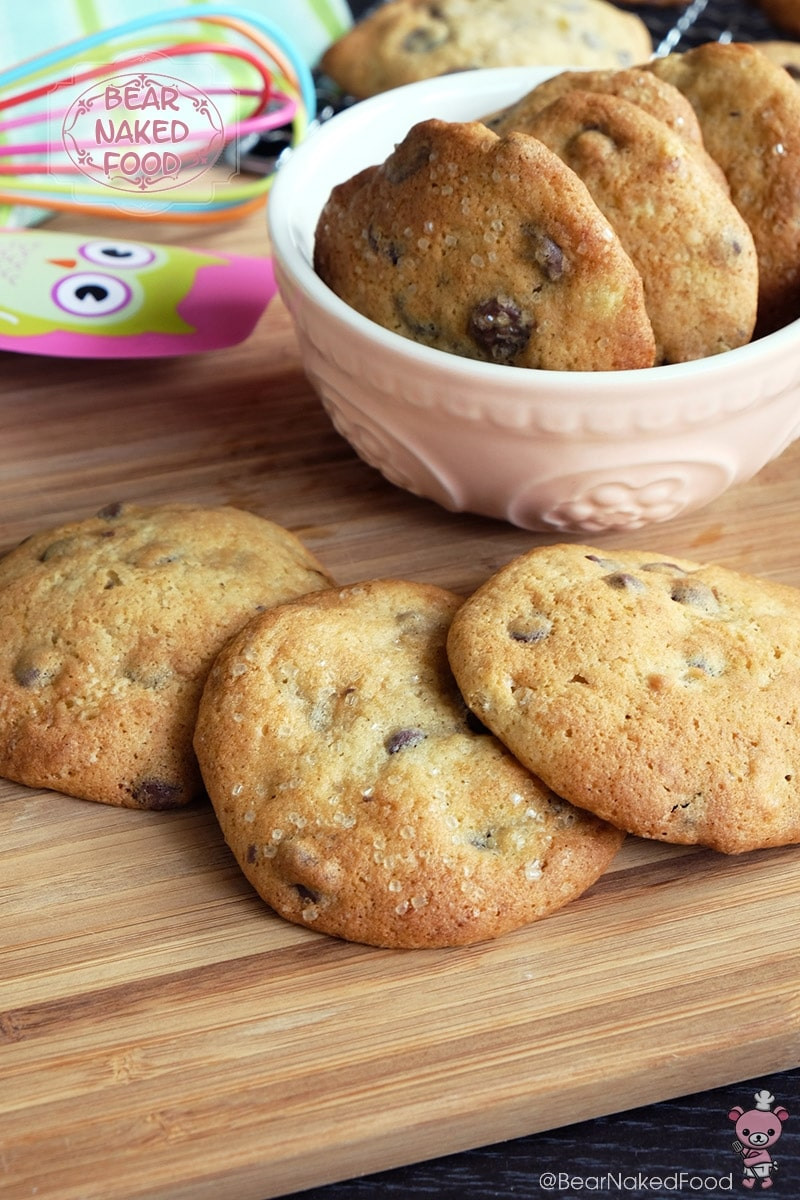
<point x="678" y="29"/>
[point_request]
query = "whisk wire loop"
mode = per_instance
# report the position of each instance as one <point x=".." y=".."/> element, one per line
<point x="270" y="86"/>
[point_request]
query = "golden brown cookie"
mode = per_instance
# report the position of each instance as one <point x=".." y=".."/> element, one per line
<point x="357" y="794"/>
<point x="660" y="694"/>
<point x="107" y="629"/>
<point x="634" y="84"/>
<point x="693" y="250"/>
<point x="749" y="111"/>
<point x="407" y="40"/>
<point x="485" y="247"/>
<point x="640" y="87"/>
<point x="785" y="54"/>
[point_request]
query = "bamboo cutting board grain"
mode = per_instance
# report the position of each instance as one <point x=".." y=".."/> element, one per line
<point x="162" y="1033"/>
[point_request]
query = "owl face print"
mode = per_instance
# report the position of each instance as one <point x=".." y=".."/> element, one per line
<point x="96" y="286"/>
<point x="83" y="296"/>
<point x="63" y="281"/>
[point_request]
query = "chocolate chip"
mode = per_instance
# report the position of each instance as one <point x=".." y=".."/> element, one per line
<point x="793" y="69"/>
<point x="499" y="327"/>
<point x="111" y="511"/>
<point x="252" y="853"/>
<point x="306" y="893"/>
<point x="667" y="567"/>
<point x="535" y="629"/>
<point x="607" y="564"/>
<point x="59" y="549"/>
<point x="695" y="594"/>
<point x="34" y="668"/>
<point x="683" y="805"/>
<point x="26" y="676"/>
<point x="403" y="739"/>
<point x="157" y="794"/>
<point x="408" y="158"/>
<point x="424" y="330"/>
<point x="624" y="582"/>
<point x="423" y="40"/>
<point x="379" y="243"/>
<point x="699" y="662"/>
<point x="147" y="675"/>
<point x="547" y="253"/>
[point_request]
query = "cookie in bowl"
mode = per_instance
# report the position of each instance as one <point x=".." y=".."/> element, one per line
<point x="635" y="84"/>
<point x="749" y="111"/>
<point x="562" y="451"/>
<point x="785" y="54"/>
<point x="683" y="233"/>
<point x="485" y="247"/>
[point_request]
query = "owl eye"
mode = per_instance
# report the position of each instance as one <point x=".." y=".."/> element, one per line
<point x="91" y="294"/>
<point x="117" y="254"/>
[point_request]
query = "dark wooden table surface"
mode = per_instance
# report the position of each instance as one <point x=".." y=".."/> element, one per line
<point x="679" y="1147"/>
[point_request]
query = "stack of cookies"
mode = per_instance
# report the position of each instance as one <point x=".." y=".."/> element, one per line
<point x="610" y="219"/>
<point x="388" y="763"/>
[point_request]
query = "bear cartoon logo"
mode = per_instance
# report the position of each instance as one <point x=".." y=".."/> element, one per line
<point x="756" y="1130"/>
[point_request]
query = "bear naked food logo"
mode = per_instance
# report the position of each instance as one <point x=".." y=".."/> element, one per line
<point x="143" y="132"/>
<point x="757" y="1131"/>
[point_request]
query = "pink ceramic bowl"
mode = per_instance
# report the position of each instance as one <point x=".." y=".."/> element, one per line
<point x="546" y="450"/>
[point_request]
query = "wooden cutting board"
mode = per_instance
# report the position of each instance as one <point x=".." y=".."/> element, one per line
<point x="162" y="1033"/>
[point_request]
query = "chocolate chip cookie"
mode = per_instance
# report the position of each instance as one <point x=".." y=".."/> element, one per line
<point x="407" y="40"/>
<point x="107" y="629"/>
<point x="636" y="85"/>
<point x="359" y="796"/>
<point x="749" y="111"/>
<point x="692" y="248"/>
<point x="785" y="54"/>
<point x="661" y="694"/>
<point x="486" y="247"/>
